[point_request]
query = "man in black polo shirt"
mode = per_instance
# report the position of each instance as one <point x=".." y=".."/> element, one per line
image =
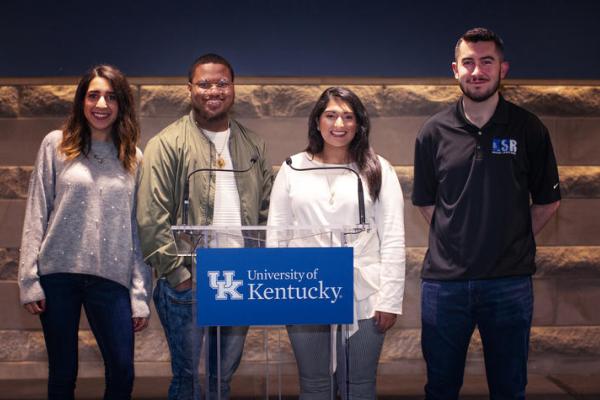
<point x="476" y="166"/>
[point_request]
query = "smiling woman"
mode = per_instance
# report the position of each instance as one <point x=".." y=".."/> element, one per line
<point x="80" y="245"/>
<point x="100" y="108"/>
<point x="338" y="136"/>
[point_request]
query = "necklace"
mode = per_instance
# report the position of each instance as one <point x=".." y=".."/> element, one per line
<point x="98" y="158"/>
<point x="220" y="159"/>
<point x="331" y="189"/>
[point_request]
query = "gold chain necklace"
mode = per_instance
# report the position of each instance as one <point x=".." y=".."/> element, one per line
<point x="332" y="184"/>
<point x="220" y="159"/>
<point x="331" y="189"/>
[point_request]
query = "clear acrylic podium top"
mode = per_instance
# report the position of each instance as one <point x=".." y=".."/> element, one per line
<point x="190" y="237"/>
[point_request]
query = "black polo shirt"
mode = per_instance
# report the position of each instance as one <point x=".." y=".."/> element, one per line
<point x="480" y="182"/>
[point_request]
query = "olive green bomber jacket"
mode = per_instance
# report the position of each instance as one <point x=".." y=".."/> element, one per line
<point x="168" y="158"/>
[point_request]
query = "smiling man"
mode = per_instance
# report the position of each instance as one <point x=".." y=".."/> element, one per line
<point x="206" y="138"/>
<point x="477" y="164"/>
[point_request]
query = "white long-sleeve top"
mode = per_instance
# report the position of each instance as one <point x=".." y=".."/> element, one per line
<point x="329" y="198"/>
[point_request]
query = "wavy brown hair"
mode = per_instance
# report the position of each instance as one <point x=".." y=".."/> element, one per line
<point x="125" y="133"/>
<point x="360" y="150"/>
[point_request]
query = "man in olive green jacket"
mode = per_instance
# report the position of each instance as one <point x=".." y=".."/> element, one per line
<point x="206" y="138"/>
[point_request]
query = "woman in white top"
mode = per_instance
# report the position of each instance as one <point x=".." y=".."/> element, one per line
<point x="338" y="135"/>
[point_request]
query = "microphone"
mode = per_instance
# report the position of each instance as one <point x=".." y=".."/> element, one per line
<point x="361" y="195"/>
<point x="186" y="186"/>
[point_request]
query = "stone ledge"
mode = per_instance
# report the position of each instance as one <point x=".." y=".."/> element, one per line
<point x="574" y="341"/>
<point x="157" y="101"/>
<point x="9" y="101"/>
<point x="583" y="101"/>
<point x="292" y="100"/>
<point x="46" y="100"/>
<point x="561" y="262"/>
<point x="381" y="101"/>
<point x="14" y="182"/>
<point x="579" y="182"/>
<point x="576" y="182"/>
<point x="150" y="346"/>
<point x="570" y="262"/>
<point x="9" y="259"/>
<point x="582" y="342"/>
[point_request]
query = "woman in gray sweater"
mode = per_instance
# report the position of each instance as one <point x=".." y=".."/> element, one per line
<point x="80" y="245"/>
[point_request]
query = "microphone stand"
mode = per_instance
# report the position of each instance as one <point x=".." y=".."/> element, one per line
<point x="186" y="186"/>
<point x="362" y="225"/>
<point x="184" y="220"/>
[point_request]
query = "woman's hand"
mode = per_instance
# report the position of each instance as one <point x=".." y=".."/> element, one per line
<point x="36" y="307"/>
<point x="139" y="324"/>
<point x="384" y="320"/>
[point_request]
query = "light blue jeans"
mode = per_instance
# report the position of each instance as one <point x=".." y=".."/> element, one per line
<point x="311" y="344"/>
<point x="175" y="310"/>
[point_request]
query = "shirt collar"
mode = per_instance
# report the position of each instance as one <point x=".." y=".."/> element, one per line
<point x="500" y="115"/>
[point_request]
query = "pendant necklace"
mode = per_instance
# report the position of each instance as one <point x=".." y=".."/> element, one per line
<point x="220" y="159"/>
<point x="98" y="158"/>
<point x="331" y="189"/>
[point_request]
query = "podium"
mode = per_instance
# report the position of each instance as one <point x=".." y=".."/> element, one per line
<point x="269" y="277"/>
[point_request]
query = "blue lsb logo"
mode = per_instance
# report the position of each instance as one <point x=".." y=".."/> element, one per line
<point x="504" y="146"/>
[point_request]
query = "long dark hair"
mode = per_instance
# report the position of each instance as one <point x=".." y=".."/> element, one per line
<point x="125" y="132"/>
<point x="360" y="150"/>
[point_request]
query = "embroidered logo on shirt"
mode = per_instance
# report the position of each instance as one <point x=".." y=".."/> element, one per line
<point x="504" y="146"/>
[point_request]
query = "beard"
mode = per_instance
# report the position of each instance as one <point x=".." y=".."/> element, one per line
<point x="209" y="117"/>
<point x="479" y="97"/>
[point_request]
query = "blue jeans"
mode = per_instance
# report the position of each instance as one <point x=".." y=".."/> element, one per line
<point x="312" y="349"/>
<point x="108" y="309"/>
<point x="175" y="310"/>
<point x="501" y="309"/>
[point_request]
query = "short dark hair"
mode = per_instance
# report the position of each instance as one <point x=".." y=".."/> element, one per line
<point x="480" y="35"/>
<point x="209" y="58"/>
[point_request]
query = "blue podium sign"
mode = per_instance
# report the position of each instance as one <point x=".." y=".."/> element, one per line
<point x="274" y="286"/>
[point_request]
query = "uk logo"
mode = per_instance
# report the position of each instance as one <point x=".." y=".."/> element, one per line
<point x="227" y="288"/>
<point x="504" y="146"/>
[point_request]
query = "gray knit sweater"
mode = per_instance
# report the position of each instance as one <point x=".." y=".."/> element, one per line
<point x="80" y="218"/>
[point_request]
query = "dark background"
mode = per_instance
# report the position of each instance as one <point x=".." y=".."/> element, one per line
<point x="375" y="38"/>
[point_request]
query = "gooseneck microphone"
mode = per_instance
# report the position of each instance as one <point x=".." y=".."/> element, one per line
<point x="361" y="195"/>
<point x="186" y="186"/>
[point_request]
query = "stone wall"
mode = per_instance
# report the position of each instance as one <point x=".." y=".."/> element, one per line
<point x="566" y="333"/>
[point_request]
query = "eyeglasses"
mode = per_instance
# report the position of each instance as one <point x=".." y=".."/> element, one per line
<point x="220" y="85"/>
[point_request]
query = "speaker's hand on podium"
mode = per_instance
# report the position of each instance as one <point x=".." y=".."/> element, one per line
<point x="384" y="320"/>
